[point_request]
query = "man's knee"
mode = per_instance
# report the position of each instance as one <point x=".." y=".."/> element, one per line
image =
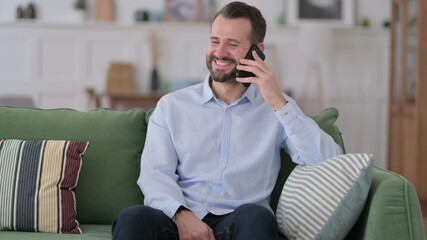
<point x="138" y="221"/>
<point x="256" y="216"/>
<point x="252" y="221"/>
<point x="254" y="211"/>
<point x="136" y="215"/>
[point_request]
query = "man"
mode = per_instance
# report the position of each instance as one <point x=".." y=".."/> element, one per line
<point x="212" y="153"/>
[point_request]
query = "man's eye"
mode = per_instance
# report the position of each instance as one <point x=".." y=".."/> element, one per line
<point x="233" y="45"/>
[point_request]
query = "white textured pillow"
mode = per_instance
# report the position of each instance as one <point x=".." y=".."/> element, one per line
<point x="324" y="200"/>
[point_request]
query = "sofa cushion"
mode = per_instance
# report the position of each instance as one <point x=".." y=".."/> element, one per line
<point x="90" y="232"/>
<point x="108" y="176"/>
<point x="37" y="183"/>
<point x="324" y="200"/>
<point x="325" y="120"/>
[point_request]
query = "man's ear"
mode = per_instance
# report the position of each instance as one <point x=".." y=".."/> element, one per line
<point x="261" y="46"/>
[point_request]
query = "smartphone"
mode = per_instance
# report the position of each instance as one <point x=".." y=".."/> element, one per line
<point x="244" y="74"/>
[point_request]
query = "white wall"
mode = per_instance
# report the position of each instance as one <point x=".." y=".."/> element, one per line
<point x="61" y="10"/>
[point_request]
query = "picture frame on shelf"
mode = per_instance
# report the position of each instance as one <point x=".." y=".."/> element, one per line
<point x="183" y="10"/>
<point x="334" y="13"/>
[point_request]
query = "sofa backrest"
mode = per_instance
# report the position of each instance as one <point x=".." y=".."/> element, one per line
<point x="107" y="182"/>
<point x="326" y="121"/>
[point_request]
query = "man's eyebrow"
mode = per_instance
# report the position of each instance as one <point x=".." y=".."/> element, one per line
<point x="229" y="39"/>
<point x="233" y="40"/>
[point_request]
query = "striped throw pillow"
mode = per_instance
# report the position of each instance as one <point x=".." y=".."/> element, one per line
<point x="324" y="200"/>
<point x="37" y="183"/>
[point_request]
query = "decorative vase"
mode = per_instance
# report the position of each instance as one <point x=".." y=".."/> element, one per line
<point x="78" y="16"/>
<point x="105" y="10"/>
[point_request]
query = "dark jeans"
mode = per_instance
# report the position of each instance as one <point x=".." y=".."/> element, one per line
<point x="249" y="221"/>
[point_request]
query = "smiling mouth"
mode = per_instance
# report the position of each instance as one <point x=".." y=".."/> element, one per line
<point x="221" y="69"/>
<point x="222" y="63"/>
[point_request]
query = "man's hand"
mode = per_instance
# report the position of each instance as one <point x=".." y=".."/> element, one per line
<point x="190" y="227"/>
<point x="265" y="79"/>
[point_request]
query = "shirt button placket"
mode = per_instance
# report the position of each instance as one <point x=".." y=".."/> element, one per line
<point x="225" y="141"/>
<point x="223" y="157"/>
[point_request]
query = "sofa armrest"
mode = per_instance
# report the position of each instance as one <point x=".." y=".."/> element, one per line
<point x="392" y="210"/>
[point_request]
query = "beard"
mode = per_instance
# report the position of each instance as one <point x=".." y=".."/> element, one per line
<point x="220" y="75"/>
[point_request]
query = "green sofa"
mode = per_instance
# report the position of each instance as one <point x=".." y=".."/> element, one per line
<point x="107" y="182"/>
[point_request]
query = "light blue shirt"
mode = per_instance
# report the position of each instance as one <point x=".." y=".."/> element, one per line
<point x="212" y="157"/>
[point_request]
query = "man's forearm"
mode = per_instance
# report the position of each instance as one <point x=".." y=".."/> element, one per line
<point x="305" y="142"/>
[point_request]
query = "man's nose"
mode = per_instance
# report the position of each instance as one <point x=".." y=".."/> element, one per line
<point x="222" y="50"/>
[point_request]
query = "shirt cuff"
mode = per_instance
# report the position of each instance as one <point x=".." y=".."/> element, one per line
<point x="288" y="117"/>
<point x="179" y="208"/>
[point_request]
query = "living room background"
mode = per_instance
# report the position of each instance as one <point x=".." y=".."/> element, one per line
<point x="55" y="58"/>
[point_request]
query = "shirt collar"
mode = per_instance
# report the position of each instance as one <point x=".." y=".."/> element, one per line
<point x="207" y="91"/>
<point x="250" y="93"/>
<point x="208" y="94"/>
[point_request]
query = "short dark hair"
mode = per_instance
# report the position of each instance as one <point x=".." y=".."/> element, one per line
<point x="242" y="10"/>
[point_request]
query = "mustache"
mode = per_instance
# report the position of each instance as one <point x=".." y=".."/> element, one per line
<point x="213" y="57"/>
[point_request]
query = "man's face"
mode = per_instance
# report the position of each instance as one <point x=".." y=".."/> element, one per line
<point x="229" y="42"/>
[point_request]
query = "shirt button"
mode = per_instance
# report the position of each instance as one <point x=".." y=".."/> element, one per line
<point x="225" y="136"/>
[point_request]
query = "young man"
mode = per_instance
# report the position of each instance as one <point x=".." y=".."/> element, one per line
<point x="212" y="152"/>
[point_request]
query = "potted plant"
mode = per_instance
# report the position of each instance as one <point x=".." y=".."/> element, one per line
<point x="80" y="4"/>
<point x="80" y="10"/>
